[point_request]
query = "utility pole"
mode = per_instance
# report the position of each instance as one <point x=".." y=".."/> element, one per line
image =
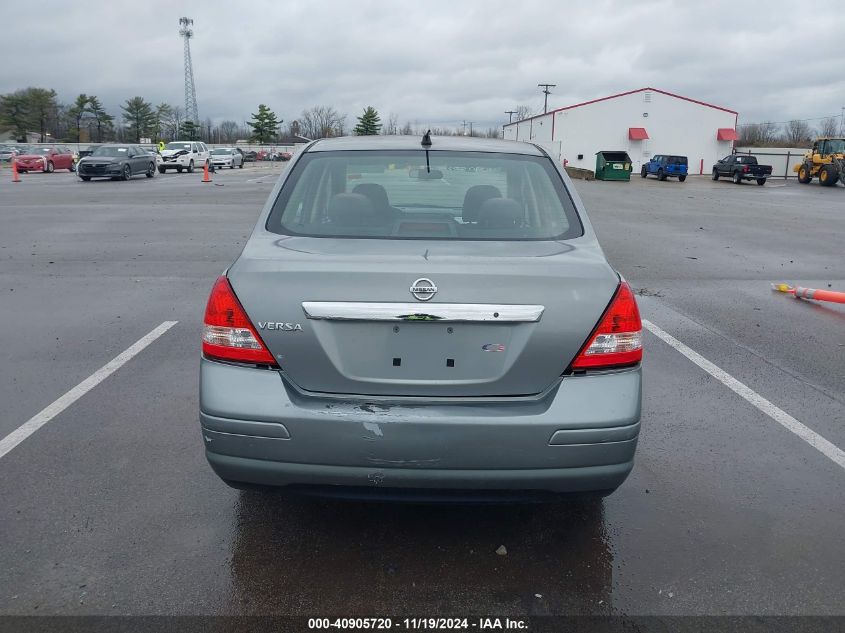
<point x="510" y="114"/>
<point x="546" y="92"/>
<point x="842" y="122"/>
<point x="470" y="128"/>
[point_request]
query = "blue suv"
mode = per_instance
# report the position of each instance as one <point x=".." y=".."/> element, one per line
<point x="663" y="166"/>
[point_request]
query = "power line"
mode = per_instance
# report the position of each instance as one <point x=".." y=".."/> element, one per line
<point x="818" y="118"/>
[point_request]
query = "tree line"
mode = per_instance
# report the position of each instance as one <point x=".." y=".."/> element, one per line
<point x="795" y="133"/>
<point x="38" y="110"/>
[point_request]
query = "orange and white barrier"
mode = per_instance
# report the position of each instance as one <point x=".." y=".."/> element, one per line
<point x="811" y="293"/>
<point x="15" y="176"/>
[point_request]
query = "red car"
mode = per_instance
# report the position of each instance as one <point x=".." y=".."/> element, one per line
<point x="45" y="158"/>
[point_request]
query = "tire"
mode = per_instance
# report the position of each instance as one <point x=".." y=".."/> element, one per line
<point x="643" y="172"/>
<point x="681" y="178"/>
<point x="241" y="166"/>
<point x="50" y="167"/>
<point x="151" y="172"/>
<point x="127" y="173"/>
<point x="804" y="174"/>
<point x="179" y="169"/>
<point x="191" y="167"/>
<point x="86" y="178"/>
<point x="737" y="178"/>
<point x="661" y="175"/>
<point x="715" y="175"/>
<point x="761" y="181"/>
<point x="828" y="175"/>
<point x="162" y="170"/>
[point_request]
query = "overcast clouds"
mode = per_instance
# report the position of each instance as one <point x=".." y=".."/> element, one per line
<point x="433" y="62"/>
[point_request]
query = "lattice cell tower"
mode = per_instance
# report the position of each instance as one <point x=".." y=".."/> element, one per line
<point x="187" y="32"/>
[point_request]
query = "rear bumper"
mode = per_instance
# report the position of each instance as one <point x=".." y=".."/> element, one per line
<point x="579" y="436"/>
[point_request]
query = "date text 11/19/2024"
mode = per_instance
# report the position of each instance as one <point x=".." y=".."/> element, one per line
<point x="418" y="624"/>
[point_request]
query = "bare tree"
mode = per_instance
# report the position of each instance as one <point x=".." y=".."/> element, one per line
<point x="392" y="125"/>
<point x="493" y="132"/>
<point x="522" y="112"/>
<point x="796" y="133"/>
<point x="229" y="131"/>
<point x="758" y="134"/>
<point x="322" y="122"/>
<point x="829" y="127"/>
<point x="407" y="130"/>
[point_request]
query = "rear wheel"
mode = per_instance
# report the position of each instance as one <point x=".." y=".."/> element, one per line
<point x="715" y="175"/>
<point x="179" y="169"/>
<point x="761" y="181"/>
<point x="737" y="178"/>
<point x="804" y="174"/>
<point x="127" y="172"/>
<point x="86" y="178"/>
<point x="643" y="172"/>
<point x="828" y="175"/>
<point x="241" y="166"/>
<point x="682" y="178"/>
<point x="161" y="170"/>
<point x="151" y="170"/>
<point x="50" y="167"/>
<point x="191" y="167"/>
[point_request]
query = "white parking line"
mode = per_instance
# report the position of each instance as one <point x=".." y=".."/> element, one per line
<point x="52" y="410"/>
<point x="826" y="448"/>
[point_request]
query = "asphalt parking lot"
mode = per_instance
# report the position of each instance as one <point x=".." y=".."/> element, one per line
<point x="110" y="507"/>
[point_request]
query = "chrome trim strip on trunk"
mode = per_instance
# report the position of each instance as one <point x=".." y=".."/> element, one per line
<point x="439" y="312"/>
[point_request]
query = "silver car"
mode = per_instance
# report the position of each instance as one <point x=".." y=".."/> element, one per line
<point x="230" y="157"/>
<point x="428" y="317"/>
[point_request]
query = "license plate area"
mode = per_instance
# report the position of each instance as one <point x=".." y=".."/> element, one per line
<point x="421" y="352"/>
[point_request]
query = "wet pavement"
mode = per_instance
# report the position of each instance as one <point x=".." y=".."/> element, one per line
<point x="112" y="509"/>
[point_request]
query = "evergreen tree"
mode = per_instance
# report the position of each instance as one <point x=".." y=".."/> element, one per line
<point x="15" y="114"/>
<point x="141" y="119"/>
<point x="264" y="125"/>
<point x="369" y="123"/>
<point x="101" y="117"/>
<point x="77" y="112"/>
<point x="188" y="131"/>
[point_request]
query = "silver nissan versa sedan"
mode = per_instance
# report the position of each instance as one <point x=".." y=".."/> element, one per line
<point x="429" y="317"/>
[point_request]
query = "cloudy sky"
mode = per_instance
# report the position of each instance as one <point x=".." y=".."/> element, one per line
<point x="436" y="62"/>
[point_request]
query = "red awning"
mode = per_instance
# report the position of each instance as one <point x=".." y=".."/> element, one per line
<point x="637" y="134"/>
<point x="726" y="134"/>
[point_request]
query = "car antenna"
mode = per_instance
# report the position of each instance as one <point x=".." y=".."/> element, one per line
<point x="426" y="143"/>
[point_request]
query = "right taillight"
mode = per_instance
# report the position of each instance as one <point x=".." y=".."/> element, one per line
<point x="228" y="333"/>
<point x="617" y="340"/>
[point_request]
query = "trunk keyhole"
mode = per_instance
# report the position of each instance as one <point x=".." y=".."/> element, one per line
<point x="450" y="362"/>
<point x="397" y="362"/>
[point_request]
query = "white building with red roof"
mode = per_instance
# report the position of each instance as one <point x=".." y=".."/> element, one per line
<point x="642" y="122"/>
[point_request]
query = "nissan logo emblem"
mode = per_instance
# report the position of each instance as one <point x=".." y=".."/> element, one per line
<point x="423" y="289"/>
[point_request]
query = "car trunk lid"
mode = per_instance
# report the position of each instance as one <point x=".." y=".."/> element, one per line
<point x="506" y="319"/>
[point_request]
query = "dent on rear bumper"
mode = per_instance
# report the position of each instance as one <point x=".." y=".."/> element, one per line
<point x="580" y="435"/>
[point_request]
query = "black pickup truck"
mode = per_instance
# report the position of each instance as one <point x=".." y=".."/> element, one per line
<point x="739" y="167"/>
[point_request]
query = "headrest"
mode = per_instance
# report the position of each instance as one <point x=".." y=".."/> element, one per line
<point x="350" y="209"/>
<point x="376" y="193"/>
<point x="475" y="197"/>
<point x="500" y="213"/>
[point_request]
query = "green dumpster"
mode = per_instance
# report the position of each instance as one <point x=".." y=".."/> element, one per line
<point x="613" y="166"/>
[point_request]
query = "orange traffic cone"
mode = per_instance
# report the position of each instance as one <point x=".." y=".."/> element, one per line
<point x="15" y="176"/>
<point x="205" y="176"/>
<point x="811" y="293"/>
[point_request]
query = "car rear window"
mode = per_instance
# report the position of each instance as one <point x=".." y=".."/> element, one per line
<point x="392" y="195"/>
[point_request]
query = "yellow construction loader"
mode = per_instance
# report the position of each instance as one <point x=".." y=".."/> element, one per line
<point x="826" y="161"/>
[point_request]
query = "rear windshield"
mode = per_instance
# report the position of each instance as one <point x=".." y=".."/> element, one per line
<point x="677" y="160"/>
<point x="392" y="195"/>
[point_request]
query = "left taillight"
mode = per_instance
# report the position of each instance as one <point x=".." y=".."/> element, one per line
<point x="228" y="334"/>
<point x="617" y="339"/>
